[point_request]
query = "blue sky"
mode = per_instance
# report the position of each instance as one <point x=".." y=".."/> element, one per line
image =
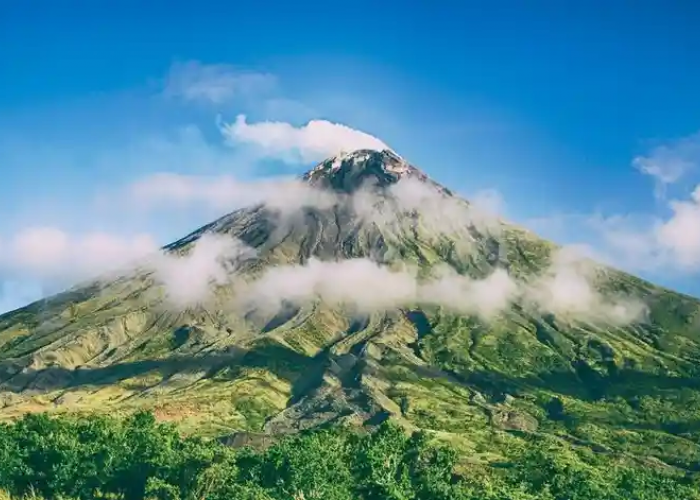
<point x="584" y="118"/>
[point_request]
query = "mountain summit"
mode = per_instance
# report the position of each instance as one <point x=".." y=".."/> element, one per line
<point x="364" y="292"/>
<point x="350" y="171"/>
<point x="347" y="171"/>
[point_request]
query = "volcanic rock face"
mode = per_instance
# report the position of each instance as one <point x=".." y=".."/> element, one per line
<point x="348" y="171"/>
<point x="366" y="292"/>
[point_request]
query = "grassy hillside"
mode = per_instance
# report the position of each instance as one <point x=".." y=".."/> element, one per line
<point x="629" y="393"/>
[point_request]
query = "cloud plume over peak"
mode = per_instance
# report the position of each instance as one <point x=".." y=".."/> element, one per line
<point x="314" y="141"/>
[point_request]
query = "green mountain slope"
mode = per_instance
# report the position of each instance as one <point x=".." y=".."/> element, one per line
<point x="612" y="369"/>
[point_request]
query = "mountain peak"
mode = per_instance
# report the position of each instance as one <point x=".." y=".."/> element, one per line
<point x="348" y="171"/>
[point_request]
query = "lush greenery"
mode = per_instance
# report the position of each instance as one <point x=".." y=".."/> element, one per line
<point x="137" y="457"/>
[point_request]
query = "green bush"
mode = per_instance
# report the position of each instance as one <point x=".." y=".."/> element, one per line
<point x="139" y="458"/>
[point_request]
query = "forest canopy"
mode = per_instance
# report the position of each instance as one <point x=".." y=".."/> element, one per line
<point x="138" y="457"/>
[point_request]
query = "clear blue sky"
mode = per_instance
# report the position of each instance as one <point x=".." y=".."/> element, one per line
<point x="547" y="102"/>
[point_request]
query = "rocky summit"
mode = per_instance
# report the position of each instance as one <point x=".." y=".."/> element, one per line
<point x="361" y="292"/>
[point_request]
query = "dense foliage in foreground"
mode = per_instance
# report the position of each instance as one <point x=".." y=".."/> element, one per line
<point x="137" y="457"/>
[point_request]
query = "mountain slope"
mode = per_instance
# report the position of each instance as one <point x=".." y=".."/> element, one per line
<point x="369" y="292"/>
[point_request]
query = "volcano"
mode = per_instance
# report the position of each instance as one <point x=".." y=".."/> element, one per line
<point x="366" y="291"/>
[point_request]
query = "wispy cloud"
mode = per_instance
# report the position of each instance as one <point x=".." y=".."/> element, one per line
<point x="567" y="288"/>
<point x="225" y="193"/>
<point x="220" y="192"/>
<point x="189" y="279"/>
<point x="485" y="297"/>
<point x="356" y="283"/>
<point x="438" y="213"/>
<point x="668" y="163"/>
<point x="680" y="234"/>
<point x="660" y="242"/>
<point x="215" y="83"/>
<point x="55" y="255"/>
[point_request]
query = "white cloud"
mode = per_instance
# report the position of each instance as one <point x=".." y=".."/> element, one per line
<point x="680" y="234"/>
<point x="438" y="213"/>
<point x="625" y="241"/>
<point x="184" y="149"/>
<point x="648" y="243"/>
<point x="358" y="283"/>
<point x="51" y="258"/>
<point x="661" y="244"/>
<point x="188" y="279"/>
<point x="52" y="254"/>
<point x="486" y="297"/>
<point x="569" y="287"/>
<point x="222" y="192"/>
<point x="668" y="163"/>
<point x="225" y="193"/>
<point x="367" y="286"/>
<point x="315" y="141"/>
<point x="215" y="83"/>
<point x="667" y="244"/>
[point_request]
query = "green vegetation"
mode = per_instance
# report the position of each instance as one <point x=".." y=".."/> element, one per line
<point x="137" y="458"/>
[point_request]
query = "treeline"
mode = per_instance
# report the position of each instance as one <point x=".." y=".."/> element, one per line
<point x="139" y="458"/>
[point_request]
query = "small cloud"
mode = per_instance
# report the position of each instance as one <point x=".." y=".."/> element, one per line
<point x="569" y="287"/>
<point x="668" y="163"/>
<point x="485" y="298"/>
<point x="654" y="243"/>
<point x="54" y="255"/>
<point x="680" y="234"/>
<point x="189" y="279"/>
<point x="222" y="192"/>
<point x="642" y="242"/>
<point x="225" y="193"/>
<point x="315" y="141"/>
<point x="438" y="213"/>
<point x="356" y="283"/>
<point x="214" y="83"/>
<point x="625" y="241"/>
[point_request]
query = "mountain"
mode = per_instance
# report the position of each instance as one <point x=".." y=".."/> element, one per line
<point x="366" y="291"/>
